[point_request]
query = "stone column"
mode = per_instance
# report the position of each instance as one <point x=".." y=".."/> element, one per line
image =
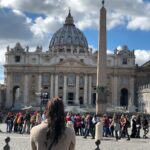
<point x="65" y="89"/>
<point x="56" y="85"/>
<point x="90" y="89"/>
<point x="131" y="96"/>
<point x="39" y="87"/>
<point x="26" y="87"/>
<point x="115" y="91"/>
<point x="52" y="86"/>
<point x="85" y="90"/>
<point x="77" y="90"/>
<point x="9" y="90"/>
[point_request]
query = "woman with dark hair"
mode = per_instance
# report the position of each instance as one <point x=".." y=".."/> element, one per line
<point x="52" y="134"/>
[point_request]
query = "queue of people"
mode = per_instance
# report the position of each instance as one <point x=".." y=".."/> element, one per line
<point x="113" y="126"/>
<point x="83" y="125"/>
<point x="22" y="122"/>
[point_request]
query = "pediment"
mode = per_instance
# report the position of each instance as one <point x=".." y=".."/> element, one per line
<point x="71" y="62"/>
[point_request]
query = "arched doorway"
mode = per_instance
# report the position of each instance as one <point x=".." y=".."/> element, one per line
<point x="81" y="100"/>
<point x="70" y="98"/>
<point x="124" y="97"/>
<point x="16" y="94"/>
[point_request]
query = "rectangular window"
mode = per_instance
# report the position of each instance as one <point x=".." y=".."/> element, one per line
<point x="82" y="60"/>
<point x="17" y="58"/>
<point x="124" y="61"/>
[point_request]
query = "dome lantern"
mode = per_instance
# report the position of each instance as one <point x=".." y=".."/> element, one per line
<point x="69" y="19"/>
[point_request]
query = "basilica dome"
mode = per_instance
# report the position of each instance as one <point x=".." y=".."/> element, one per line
<point x="68" y="35"/>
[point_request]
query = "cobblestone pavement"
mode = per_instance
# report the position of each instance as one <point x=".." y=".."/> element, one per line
<point x="21" y="142"/>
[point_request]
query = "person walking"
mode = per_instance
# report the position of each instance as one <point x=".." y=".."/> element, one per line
<point x="52" y="134"/>
<point x="116" y="123"/>
<point x="145" y="125"/>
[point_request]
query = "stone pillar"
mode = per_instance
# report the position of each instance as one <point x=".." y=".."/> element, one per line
<point x="39" y="87"/>
<point x="9" y="90"/>
<point x="115" y="91"/>
<point x="85" y="90"/>
<point x="90" y="89"/>
<point x="77" y="90"/>
<point x="26" y="92"/>
<point x="65" y="90"/>
<point x="131" y="97"/>
<point x="56" y="85"/>
<point x="52" y="86"/>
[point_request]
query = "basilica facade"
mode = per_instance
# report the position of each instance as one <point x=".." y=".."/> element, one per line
<point x="68" y="69"/>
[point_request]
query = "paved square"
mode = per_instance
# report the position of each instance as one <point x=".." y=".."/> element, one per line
<point x="22" y="142"/>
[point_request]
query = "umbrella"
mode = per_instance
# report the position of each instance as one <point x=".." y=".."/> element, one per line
<point x="27" y="108"/>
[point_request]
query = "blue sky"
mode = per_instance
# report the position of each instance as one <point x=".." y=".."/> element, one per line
<point x="121" y="36"/>
<point x="34" y="22"/>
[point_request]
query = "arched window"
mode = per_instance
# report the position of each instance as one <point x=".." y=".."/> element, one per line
<point x="61" y="79"/>
<point x="81" y="82"/>
<point x="71" y="79"/>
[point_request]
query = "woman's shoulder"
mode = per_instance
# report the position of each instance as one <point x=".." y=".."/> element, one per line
<point x="71" y="134"/>
<point x="69" y="131"/>
<point x="38" y="129"/>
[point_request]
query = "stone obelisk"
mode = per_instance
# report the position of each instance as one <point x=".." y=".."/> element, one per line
<point x="101" y="97"/>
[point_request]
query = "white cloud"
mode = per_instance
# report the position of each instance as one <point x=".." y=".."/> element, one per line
<point x="14" y="25"/>
<point x="142" y="56"/>
<point x="139" y="23"/>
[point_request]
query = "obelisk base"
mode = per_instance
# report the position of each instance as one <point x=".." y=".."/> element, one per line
<point x="100" y="108"/>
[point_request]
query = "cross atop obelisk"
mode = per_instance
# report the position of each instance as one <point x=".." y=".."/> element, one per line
<point x="101" y="97"/>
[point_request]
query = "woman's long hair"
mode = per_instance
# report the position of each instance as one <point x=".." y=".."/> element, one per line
<point x="56" y="120"/>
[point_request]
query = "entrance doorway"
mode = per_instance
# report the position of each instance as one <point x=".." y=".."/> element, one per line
<point x="70" y="98"/>
<point x="81" y="100"/>
<point x="124" y="98"/>
<point x="94" y="99"/>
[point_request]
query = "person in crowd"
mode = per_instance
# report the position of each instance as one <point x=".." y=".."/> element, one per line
<point x="105" y="122"/>
<point x="44" y="116"/>
<point x="122" y="125"/>
<point x="116" y="123"/>
<point x="89" y="127"/>
<point x="138" y="126"/>
<point x="26" y="125"/>
<point x="9" y="122"/>
<point x="127" y="125"/>
<point x="38" y="119"/>
<point x="94" y="122"/>
<point x="82" y="131"/>
<point x="133" y="126"/>
<point x="52" y="134"/>
<point x="15" y="122"/>
<point x="33" y="120"/>
<point x="145" y="126"/>
<point x="77" y="124"/>
<point x="20" y="122"/>
<point x="111" y="126"/>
